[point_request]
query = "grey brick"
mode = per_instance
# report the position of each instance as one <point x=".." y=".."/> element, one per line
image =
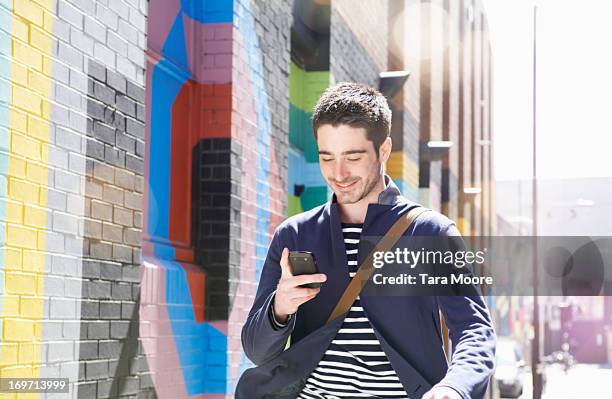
<point x="54" y="286"/>
<point x="62" y="308"/>
<point x="56" y="199"/>
<point x="87" y="6"/>
<point x="58" y="157"/>
<point x="103" y="172"/>
<point x="133" y="200"/>
<point x="114" y="156"/>
<point x="138" y="220"/>
<point x="132" y="237"/>
<point x="81" y="42"/>
<point x="72" y="287"/>
<point x="127" y="31"/>
<point x="122" y="291"/>
<point x="129" y="386"/>
<point x="119" y="329"/>
<point x="99" y="289"/>
<point x="101" y="210"/>
<point x="135" y="128"/>
<point x="85" y="390"/>
<point x="104" y="132"/>
<point x="67" y="181"/>
<point x="136" y="55"/>
<point x="140" y="112"/>
<point x="122" y="253"/>
<point x="122" y="216"/>
<point x="110" y="271"/>
<point x="127" y="310"/>
<point x="60" y="114"/>
<point x="137" y="20"/>
<point x="107" y="389"/>
<point x="112" y="194"/>
<point x="110" y="349"/>
<point x="126" y="67"/>
<point x="93" y="229"/>
<point x="107" y="16"/>
<point x="103" y="93"/>
<point x="111" y="232"/>
<point x="116" y="43"/>
<point x="59" y="351"/>
<point x="67" y="96"/>
<point x="110" y="310"/>
<point x="101" y="250"/>
<point x="65" y="223"/>
<point x="140" y="148"/>
<point x="136" y="92"/>
<point x="61" y="30"/>
<point x="67" y="139"/>
<point x="96" y="110"/>
<point x="104" y="54"/>
<point x="70" y="55"/>
<point x="126" y="105"/>
<point x="78" y="121"/>
<point x="70" y="14"/>
<point x="94" y="29"/>
<point x="96" y="369"/>
<point x="78" y="81"/>
<point x="91" y="269"/>
<point x="131" y="273"/>
<point x="116" y="81"/>
<point x="134" y="164"/>
<point x="90" y="310"/>
<point x="76" y="163"/>
<point x="95" y="69"/>
<point x="125" y="142"/>
<point x="124" y="179"/>
<point x="88" y="350"/>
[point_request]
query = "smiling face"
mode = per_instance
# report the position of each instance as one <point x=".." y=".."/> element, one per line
<point x="349" y="163"/>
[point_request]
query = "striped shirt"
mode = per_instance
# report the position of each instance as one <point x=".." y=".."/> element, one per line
<point x="354" y="365"/>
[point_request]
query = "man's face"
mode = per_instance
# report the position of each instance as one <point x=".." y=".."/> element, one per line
<point x="348" y="161"/>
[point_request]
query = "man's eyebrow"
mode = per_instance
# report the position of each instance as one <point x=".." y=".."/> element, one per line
<point x="349" y="152"/>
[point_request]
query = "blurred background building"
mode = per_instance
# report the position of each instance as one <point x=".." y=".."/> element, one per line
<point x="148" y="150"/>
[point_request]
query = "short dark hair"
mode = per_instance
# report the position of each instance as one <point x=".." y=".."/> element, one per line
<point x="356" y="105"/>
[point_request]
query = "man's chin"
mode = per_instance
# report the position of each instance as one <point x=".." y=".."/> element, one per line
<point x="347" y="198"/>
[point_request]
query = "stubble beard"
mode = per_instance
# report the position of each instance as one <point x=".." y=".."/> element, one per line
<point x="352" y="197"/>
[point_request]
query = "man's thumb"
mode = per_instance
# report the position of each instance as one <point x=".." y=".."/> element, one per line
<point x="284" y="263"/>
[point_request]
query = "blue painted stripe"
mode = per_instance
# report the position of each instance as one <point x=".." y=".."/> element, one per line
<point x="6" y="27"/>
<point x="201" y="348"/>
<point x="209" y="11"/>
<point x="164" y="90"/>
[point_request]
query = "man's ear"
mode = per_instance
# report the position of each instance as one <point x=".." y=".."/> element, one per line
<point x="384" y="152"/>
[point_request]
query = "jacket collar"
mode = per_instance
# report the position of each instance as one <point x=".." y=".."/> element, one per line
<point x="388" y="196"/>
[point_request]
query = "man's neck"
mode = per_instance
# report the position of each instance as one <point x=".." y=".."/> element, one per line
<point x="356" y="212"/>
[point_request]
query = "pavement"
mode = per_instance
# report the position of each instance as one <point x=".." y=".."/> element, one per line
<point x="581" y="381"/>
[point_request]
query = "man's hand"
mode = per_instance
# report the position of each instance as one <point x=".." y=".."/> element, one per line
<point x="441" y="393"/>
<point x="289" y="296"/>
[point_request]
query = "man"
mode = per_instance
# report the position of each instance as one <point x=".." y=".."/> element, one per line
<point x="387" y="346"/>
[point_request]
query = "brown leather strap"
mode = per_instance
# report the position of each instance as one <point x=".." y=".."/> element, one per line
<point x="366" y="269"/>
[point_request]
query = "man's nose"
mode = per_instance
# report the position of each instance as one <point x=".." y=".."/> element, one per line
<point x="341" y="171"/>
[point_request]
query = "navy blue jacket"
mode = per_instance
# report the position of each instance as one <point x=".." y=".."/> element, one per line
<point x="408" y="327"/>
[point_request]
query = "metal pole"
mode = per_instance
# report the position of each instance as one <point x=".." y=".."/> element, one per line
<point x="535" y="348"/>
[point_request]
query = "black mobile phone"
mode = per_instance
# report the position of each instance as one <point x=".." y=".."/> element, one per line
<point x="303" y="262"/>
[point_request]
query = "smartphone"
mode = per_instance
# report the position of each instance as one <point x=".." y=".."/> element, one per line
<point x="303" y="262"/>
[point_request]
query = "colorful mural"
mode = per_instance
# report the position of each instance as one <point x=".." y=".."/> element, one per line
<point x="191" y="45"/>
<point x="25" y="113"/>
<point x="306" y="187"/>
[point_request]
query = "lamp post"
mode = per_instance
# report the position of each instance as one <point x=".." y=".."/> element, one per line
<point x="535" y="345"/>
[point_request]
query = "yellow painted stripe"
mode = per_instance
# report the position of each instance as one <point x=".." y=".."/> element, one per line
<point x="26" y="216"/>
<point x="399" y="166"/>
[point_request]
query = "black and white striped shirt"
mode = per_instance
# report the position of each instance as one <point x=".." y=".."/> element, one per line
<point x="354" y="365"/>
